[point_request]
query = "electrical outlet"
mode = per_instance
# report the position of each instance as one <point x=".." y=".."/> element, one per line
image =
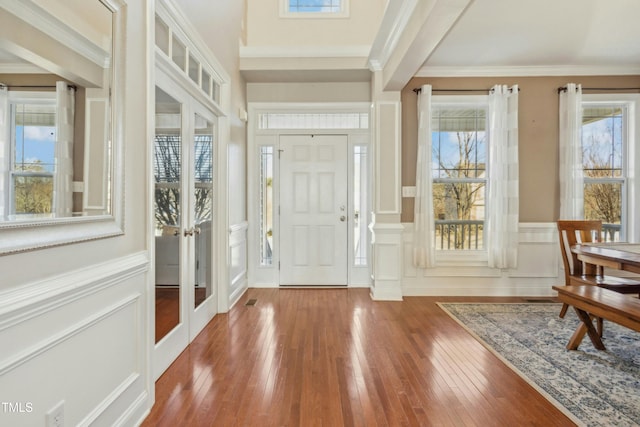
<point x="55" y="416"/>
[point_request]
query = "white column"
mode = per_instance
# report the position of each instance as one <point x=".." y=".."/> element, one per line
<point x="385" y="227"/>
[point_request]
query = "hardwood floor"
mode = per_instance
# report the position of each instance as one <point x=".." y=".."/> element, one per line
<point x="337" y="358"/>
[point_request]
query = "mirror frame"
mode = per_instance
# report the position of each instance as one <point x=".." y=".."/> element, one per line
<point x="24" y="236"/>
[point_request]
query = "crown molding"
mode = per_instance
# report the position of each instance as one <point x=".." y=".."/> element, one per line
<point x="20" y="68"/>
<point x="37" y="17"/>
<point x="305" y="51"/>
<point x="529" y="71"/>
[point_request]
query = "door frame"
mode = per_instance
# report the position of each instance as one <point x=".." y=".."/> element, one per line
<point x="267" y="275"/>
<point x="337" y="274"/>
<point x="192" y="319"/>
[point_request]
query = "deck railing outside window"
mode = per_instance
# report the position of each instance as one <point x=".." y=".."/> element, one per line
<point x="459" y="234"/>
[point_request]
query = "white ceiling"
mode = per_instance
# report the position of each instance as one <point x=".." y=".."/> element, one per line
<point x="541" y="37"/>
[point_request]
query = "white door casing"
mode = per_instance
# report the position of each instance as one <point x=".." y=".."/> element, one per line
<point x="313" y="210"/>
<point x="188" y="238"/>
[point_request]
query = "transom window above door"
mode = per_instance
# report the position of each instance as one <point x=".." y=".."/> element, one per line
<point x="314" y="8"/>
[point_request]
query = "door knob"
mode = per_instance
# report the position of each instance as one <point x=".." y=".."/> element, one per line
<point x="343" y="218"/>
<point x="191" y="231"/>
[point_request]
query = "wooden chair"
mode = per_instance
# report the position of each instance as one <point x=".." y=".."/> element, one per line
<point x="585" y="231"/>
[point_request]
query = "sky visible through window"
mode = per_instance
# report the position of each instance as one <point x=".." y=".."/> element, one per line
<point x="35" y="147"/>
<point x="315" y="6"/>
<point x="602" y="133"/>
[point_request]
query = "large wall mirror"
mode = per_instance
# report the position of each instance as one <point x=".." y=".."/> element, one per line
<point x="61" y="127"/>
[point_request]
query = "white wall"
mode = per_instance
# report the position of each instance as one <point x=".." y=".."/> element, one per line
<point x="73" y="318"/>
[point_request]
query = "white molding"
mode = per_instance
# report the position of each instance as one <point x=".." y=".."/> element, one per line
<point x="392" y="28"/>
<point x="527" y="71"/>
<point x="397" y="158"/>
<point x="238" y="243"/>
<point x="172" y="14"/>
<point x="387" y="265"/>
<point x="268" y="276"/>
<point x="112" y="398"/>
<point x="18" y="68"/>
<point x="178" y="76"/>
<point x="31" y="300"/>
<point x="305" y="51"/>
<point x="538" y="269"/>
<point x="36" y="16"/>
<point x="54" y="340"/>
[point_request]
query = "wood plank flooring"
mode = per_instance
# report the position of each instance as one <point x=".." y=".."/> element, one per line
<point x="305" y="357"/>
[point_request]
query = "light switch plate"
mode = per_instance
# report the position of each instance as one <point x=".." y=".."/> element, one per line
<point x="408" y="191"/>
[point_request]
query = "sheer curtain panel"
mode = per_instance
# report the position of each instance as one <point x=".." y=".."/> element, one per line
<point x="63" y="184"/>
<point x="571" y="175"/>
<point x="503" y="203"/>
<point x="423" y="221"/>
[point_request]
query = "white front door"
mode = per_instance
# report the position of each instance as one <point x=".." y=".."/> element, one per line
<point x="313" y="209"/>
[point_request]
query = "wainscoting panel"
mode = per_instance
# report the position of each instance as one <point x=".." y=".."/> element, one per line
<point x="538" y="269"/>
<point x="238" y="259"/>
<point x="80" y="339"/>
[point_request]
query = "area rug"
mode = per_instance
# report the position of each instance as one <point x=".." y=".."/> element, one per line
<point x="592" y="387"/>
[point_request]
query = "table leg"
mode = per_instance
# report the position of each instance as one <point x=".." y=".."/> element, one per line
<point x="585" y="327"/>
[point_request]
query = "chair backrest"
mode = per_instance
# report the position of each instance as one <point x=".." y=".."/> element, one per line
<point x="572" y="233"/>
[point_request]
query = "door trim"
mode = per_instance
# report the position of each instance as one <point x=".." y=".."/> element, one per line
<point x="266" y="275"/>
<point x="316" y="274"/>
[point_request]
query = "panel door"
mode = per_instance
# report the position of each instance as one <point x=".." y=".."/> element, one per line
<point x="313" y="210"/>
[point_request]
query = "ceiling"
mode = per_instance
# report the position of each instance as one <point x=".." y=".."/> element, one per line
<point x="540" y="37"/>
<point x="492" y="38"/>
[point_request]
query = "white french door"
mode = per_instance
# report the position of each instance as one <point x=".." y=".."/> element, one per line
<point x="183" y="162"/>
<point x="313" y="209"/>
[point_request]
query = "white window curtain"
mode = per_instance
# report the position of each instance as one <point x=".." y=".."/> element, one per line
<point x="63" y="184"/>
<point x="502" y="207"/>
<point x="571" y="174"/>
<point x="423" y="221"/>
<point x="4" y="151"/>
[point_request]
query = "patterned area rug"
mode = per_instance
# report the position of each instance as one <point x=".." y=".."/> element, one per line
<point x="594" y="388"/>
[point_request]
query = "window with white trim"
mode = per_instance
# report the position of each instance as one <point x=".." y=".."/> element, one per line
<point x="609" y="160"/>
<point x="314" y="8"/>
<point x="31" y="164"/>
<point x="459" y="157"/>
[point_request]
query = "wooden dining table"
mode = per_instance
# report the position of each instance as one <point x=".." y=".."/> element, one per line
<point x="616" y="255"/>
<point x="588" y="300"/>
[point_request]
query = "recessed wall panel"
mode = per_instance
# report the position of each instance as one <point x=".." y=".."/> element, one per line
<point x="301" y="192"/>
<point x="326" y="192"/>
<point x="326" y="245"/>
<point x="300" y="247"/>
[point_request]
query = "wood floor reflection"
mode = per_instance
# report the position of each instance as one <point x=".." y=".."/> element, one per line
<point x="337" y="358"/>
<point x="168" y="308"/>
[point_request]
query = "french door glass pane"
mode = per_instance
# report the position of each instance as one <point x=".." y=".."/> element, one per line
<point x="168" y="180"/>
<point x="203" y="207"/>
